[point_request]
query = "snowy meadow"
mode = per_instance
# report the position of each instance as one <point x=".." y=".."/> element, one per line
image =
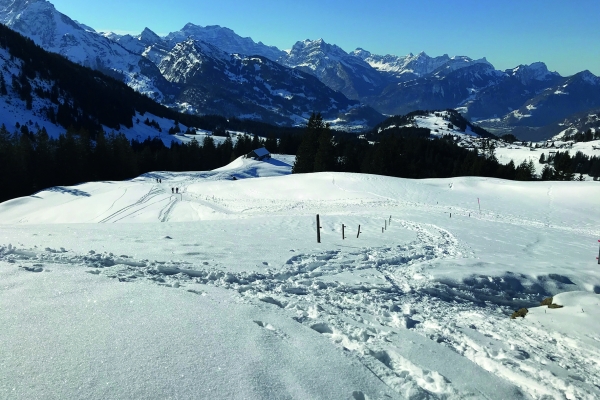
<point x="113" y="290"/>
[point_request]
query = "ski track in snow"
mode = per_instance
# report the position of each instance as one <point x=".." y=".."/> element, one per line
<point x="384" y="295"/>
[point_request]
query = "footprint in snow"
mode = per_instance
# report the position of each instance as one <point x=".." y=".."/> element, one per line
<point x="271" y="329"/>
<point x="35" y="268"/>
<point x="264" y="325"/>
<point x="358" y="395"/>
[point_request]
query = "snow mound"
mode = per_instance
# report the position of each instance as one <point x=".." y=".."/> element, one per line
<point x="277" y="165"/>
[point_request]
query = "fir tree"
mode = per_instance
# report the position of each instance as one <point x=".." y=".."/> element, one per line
<point x="3" y="90"/>
<point x="547" y="173"/>
<point x="305" y="157"/>
<point x="563" y="166"/>
<point x="325" y="157"/>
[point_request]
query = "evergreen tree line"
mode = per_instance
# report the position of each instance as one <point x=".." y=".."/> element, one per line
<point x="586" y="136"/>
<point x="411" y="154"/>
<point x="564" y="167"/>
<point x="33" y="161"/>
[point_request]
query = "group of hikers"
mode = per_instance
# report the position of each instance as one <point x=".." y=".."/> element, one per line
<point x="173" y="190"/>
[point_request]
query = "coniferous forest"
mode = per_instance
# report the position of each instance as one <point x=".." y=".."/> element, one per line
<point x="409" y="152"/>
<point x="86" y="101"/>
<point x="32" y="161"/>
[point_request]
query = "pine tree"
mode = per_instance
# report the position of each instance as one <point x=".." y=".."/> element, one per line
<point x="271" y="144"/>
<point x="305" y="156"/>
<point x="547" y="173"/>
<point x="7" y="155"/>
<point x="325" y="157"/>
<point x="209" y="154"/>
<point x="255" y="142"/>
<point x="563" y="167"/>
<point x="531" y="169"/>
<point x="3" y="90"/>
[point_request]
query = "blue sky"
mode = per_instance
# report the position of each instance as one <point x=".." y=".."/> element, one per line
<point x="563" y="34"/>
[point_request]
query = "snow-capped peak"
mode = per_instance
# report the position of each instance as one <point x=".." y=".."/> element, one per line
<point x="307" y="51"/>
<point x="85" y="27"/>
<point x="225" y="39"/>
<point x="57" y="33"/>
<point x="410" y="66"/>
<point x="149" y="37"/>
<point x="536" y="71"/>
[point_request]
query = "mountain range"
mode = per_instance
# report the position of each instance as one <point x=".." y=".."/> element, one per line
<point x="212" y="70"/>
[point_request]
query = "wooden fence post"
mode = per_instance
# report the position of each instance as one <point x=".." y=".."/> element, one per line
<point x="343" y="235"/>
<point x="318" y="229"/>
<point x="358" y="232"/>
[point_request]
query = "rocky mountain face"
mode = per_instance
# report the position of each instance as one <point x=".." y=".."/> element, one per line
<point x="191" y="74"/>
<point x="254" y="87"/>
<point x="588" y="121"/>
<point x="337" y="69"/>
<point x="55" y="32"/>
<point x="540" y="116"/>
<point x="410" y="67"/>
<point x="225" y="39"/>
<point x="573" y="94"/>
<point x="401" y="84"/>
<point x="514" y="88"/>
<point x="147" y="44"/>
<point x="281" y="88"/>
<point x="444" y="88"/>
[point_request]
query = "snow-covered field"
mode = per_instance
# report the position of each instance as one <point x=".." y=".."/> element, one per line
<point x="114" y="290"/>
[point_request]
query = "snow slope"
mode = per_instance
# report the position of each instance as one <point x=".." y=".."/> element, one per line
<point x="232" y="296"/>
<point x="57" y="33"/>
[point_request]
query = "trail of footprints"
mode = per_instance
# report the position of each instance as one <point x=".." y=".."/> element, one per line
<point x="383" y="291"/>
<point x="305" y="286"/>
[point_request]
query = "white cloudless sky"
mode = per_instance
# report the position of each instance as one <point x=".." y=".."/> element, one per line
<point x="563" y="34"/>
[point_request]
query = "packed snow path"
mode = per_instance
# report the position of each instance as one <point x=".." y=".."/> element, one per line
<point x="422" y="306"/>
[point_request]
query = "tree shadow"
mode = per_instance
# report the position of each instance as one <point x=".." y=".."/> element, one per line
<point x="71" y="191"/>
<point x="510" y="289"/>
<point x="277" y="163"/>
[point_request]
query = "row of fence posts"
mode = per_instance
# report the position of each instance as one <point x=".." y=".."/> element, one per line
<point x="319" y="227"/>
<point x="384" y="228"/>
<point x="344" y="232"/>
